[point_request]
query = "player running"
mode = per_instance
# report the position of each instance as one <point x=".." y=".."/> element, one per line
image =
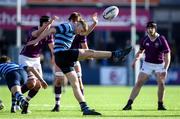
<point x="15" y="76"/>
<point x="157" y="59"/>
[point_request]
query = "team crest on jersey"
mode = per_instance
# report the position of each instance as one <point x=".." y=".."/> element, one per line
<point x="147" y="44"/>
<point x="156" y="45"/>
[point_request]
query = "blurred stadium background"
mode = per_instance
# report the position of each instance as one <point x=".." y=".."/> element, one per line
<point x="119" y="33"/>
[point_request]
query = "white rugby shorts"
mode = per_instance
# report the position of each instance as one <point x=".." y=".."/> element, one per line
<point x="148" y="68"/>
<point x="32" y="62"/>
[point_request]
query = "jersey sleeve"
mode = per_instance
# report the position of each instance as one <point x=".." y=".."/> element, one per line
<point x="50" y="39"/>
<point x="142" y="47"/>
<point x="29" y="34"/>
<point x="165" y="45"/>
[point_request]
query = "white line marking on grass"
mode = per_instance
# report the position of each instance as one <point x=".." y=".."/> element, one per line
<point x="47" y="105"/>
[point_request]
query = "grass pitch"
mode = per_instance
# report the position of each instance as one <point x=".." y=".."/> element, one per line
<point x="109" y="100"/>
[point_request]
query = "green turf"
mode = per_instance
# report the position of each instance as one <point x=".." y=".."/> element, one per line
<point x="109" y="100"/>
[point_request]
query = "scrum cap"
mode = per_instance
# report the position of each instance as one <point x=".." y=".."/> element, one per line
<point x="151" y="24"/>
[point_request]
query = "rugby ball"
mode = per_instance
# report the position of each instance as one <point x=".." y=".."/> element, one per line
<point x="110" y="12"/>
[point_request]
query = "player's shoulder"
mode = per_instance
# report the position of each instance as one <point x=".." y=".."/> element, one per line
<point x="65" y="24"/>
<point x="162" y="38"/>
<point x="145" y="37"/>
<point x="13" y="63"/>
<point x="34" y="28"/>
<point x="9" y="64"/>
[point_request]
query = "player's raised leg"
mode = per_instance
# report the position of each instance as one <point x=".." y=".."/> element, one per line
<point x="115" y="55"/>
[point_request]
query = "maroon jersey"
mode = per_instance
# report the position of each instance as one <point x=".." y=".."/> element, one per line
<point x="154" y="50"/>
<point x="35" y="50"/>
<point x="77" y="41"/>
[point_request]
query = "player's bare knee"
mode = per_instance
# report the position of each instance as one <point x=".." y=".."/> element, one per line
<point x="58" y="81"/>
<point x="31" y="83"/>
<point x="37" y="86"/>
<point x="74" y="85"/>
<point x="139" y="84"/>
<point x="161" y="83"/>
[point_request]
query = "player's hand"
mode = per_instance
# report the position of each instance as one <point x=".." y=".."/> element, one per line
<point x="95" y="17"/>
<point x="44" y="84"/>
<point x="55" y="18"/>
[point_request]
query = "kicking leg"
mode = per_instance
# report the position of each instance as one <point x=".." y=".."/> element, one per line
<point x="115" y="55"/>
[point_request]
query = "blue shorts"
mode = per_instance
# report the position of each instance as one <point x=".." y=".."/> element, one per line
<point x="16" y="77"/>
<point x="65" y="59"/>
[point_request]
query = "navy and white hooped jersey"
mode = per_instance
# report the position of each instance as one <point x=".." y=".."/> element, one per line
<point x="8" y="67"/>
<point x="64" y="36"/>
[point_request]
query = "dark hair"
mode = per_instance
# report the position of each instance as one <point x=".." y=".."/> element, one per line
<point x="75" y="16"/>
<point x="151" y="24"/>
<point x="44" y="19"/>
<point x="4" y="59"/>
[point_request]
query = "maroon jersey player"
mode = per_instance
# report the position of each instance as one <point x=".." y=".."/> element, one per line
<point x="157" y="60"/>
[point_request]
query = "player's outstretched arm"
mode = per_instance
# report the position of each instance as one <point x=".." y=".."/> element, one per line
<point x="44" y="27"/>
<point x="43" y="35"/>
<point x="92" y="26"/>
<point x="36" y="73"/>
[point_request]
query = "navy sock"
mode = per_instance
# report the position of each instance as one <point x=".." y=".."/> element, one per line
<point x="57" y="91"/>
<point x="13" y="100"/>
<point x="18" y="103"/>
<point x="19" y="97"/>
<point x="160" y="103"/>
<point x="83" y="106"/>
<point x="24" y="88"/>
<point x="129" y="102"/>
<point x="32" y="93"/>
